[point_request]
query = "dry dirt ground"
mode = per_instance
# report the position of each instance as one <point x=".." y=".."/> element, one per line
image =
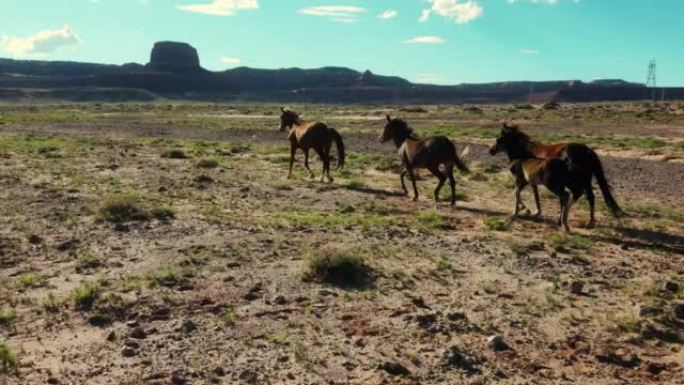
<point x="162" y="244"/>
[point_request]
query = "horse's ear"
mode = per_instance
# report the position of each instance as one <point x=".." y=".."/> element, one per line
<point x="282" y="109"/>
<point x="505" y="128"/>
<point x="389" y="119"/>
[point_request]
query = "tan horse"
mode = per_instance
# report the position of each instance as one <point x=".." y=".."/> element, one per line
<point x="315" y="135"/>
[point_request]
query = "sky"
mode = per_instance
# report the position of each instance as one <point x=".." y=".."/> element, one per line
<point x="430" y="41"/>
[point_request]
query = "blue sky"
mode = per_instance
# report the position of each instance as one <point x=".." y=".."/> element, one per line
<point x="441" y="41"/>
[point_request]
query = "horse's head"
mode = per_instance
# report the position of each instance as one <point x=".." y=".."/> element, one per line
<point x="395" y="129"/>
<point x="511" y="140"/>
<point x="288" y="118"/>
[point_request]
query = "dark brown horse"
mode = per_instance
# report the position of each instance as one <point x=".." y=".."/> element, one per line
<point x="430" y="153"/>
<point x="582" y="162"/>
<point x="317" y="136"/>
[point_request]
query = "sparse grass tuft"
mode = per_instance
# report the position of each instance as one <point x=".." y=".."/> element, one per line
<point x="208" y="163"/>
<point x="175" y="154"/>
<point x="122" y="209"/>
<point x="8" y="360"/>
<point x="563" y="242"/>
<point x="167" y="277"/>
<point x="432" y="220"/>
<point x="163" y="213"/>
<point x="29" y="281"/>
<point x="84" y="296"/>
<point x="229" y="316"/>
<point x="7" y="317"/>
<point x="496" y="223"/>
<point x="337" y="265"/>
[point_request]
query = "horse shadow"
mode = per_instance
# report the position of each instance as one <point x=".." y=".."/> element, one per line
<point x="646" y="239"/>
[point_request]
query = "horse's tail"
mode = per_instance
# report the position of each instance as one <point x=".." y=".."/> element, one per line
<point x="340" y="147"/>
<point x="597" y="170"/>
<point x="459" y="161"/>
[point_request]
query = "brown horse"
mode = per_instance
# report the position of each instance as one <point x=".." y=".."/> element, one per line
<point x="430" y="153"/>
<point x="583" y="164"/>
<point x="317" y="136"/>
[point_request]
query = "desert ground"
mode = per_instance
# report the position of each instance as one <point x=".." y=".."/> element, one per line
<point x="162" y="244"/>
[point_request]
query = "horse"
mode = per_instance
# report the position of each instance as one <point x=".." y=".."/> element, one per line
<point x="317" y="136"/>
<point x="430" y="153"/>
<point x="581" y="162"/>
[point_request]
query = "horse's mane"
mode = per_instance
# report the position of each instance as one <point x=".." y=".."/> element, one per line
<point x="518" y="134"/>
<point x="400" y="124"/>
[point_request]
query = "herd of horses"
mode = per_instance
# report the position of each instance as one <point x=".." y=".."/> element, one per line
<point x="566" y="169"/>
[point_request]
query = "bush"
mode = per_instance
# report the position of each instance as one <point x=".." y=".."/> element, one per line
<point x="207" y="163"/>
<point x="339" y="266"/>
<point x="174" y="154"/>
<point x="121" y="210"/>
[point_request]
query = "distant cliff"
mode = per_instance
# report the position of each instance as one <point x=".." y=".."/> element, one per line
<point x="174" y="71"/>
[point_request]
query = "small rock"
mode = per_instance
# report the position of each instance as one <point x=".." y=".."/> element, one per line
<point x="456" y="316"/>
<point x="99" y="320"/>
<point x="52" y="381"/>
<point x="280" y="300"/>
<point x="576" y="287"/>
<point x="497" y="343"/>
<point x="138" y="333"/>
<point x="249" y="377"/>
<point x="419" y="302"/>
<point x="672" y="287"/>
<point x="645" y="311"/>
<point x="178" y="379"/>
<point x="219" y="371"/>
<point x="111" y="336"/>
<point x="188" y="326"/>
<point x="132" y="323"/>
<point x="35" y="239"/>
<point x="132" y="344"/>
<point x="128" y="351"/>
<point x="678" y="310"/>
<point x="656" y="368"/>
<point x="394" y="368"/>
<point x="427" y="321"/>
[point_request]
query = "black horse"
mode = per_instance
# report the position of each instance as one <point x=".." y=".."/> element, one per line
<point x="579" y="165"/>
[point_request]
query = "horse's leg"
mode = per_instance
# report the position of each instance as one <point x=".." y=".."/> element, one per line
<point x="293" y="150"/>
<point x="321" y="154"/>
<point x="452" y="183"/>
<point x="327" y="166"/>
<point x="519" y="185"/>
<point x="537" y="201"/>
<point x="435" y="171"/>
<point x="409" y="171"/>
<point x="565" y="209"/>
<point x="306" y="164"/>
<point x="403" y="185"/>
<point x="591" y="199"/>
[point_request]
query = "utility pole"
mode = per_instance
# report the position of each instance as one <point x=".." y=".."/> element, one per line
<point x="651" y="79"/>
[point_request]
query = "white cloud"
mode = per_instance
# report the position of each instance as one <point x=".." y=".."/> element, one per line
<point x="40" y="43"/>
<point x="425" y="40"/>
<point x="220" y="7"/>
<point x="336" y="13"/>
<point x="230" y="60"/>
<point x="529" y="51"/>
<point x="388" y="14"/>
<point x="458" y="11"/>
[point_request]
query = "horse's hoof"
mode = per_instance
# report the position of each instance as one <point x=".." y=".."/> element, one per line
<point x="415" y="199"/>
<point x="590" y="225"/>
